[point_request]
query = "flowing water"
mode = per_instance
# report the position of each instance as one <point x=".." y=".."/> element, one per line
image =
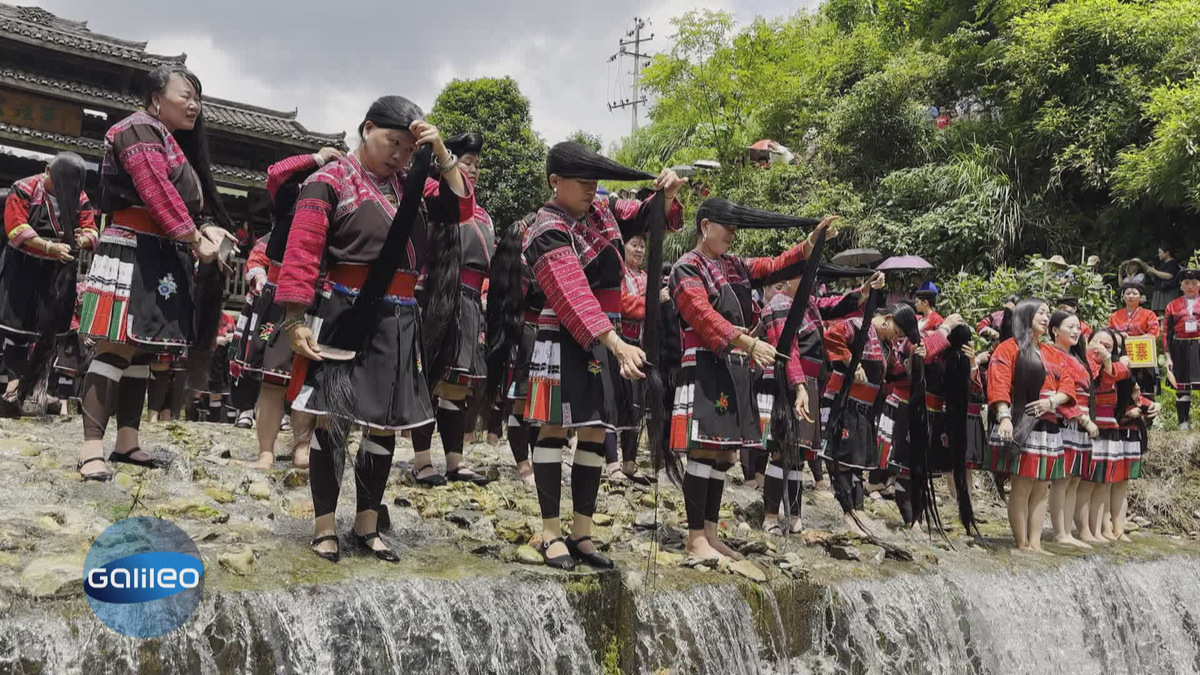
<point x="1082" y="618"/>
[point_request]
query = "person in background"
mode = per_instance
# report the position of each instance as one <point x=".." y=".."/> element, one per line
<point x="1133" y="320"/>
<point x="1165" y="273"/>
<point x="1181" y="341"/>
<point x="991" y="326"/>
<point x="1070" y="305"/>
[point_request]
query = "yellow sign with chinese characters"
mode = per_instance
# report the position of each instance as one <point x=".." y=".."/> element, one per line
<point x="33" y="112"/>
<point x="1142" y="351"/>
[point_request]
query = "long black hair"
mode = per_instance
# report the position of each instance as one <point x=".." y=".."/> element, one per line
<point x="1029" y="372"/>
<point x="68" y="173"/>
<point x="1078" y="350"/>
<point x="905" y="318"/>
<point x="957" y="390"/>
<point x="505" y="304"/>
<point x="1006" y="320"/>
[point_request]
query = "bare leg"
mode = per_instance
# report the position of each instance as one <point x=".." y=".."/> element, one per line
<point x="1018" y="510"/>
<point x="270" y="415"/>
<point x="1119" y="506"/>
<point x="1059" y="508"/>
<point x="1038" y="503"/>
<point x="1083" y="508"/>
<point x="302" y="431"/>
<point x="1096" y="511"/>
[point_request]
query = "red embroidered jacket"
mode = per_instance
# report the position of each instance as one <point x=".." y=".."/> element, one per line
<point x="1003" y="367"/>
<point x="930" y="323"/>
<point x="838" y="338"/>
<point x="1176" y="317"/>
<point x="579" y="266"/>
<point x="995" y="321"/>
<point x="1082" y="378"/>
<point x="1142" y="322"/>
<point x="144" y="167"/>
<point x="30" y="211"/>
<point x="343" y="215"/>
<point x="697" y="282"/>
<point x="279" y="172"/>
<point x="633" y="303"/>
<point x="808" y="350"/>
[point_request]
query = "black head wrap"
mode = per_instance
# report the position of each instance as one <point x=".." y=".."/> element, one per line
<point x="1069" y="301"/>
<point x="1189" y="275"/>
<point x="725" y="212"/>
<point x="1133" y="284"/>
<point x="572" y="160"/>
<point x="470" y="143"/>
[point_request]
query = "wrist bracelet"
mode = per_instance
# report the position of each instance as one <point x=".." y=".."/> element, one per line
<point x="450" y="163"/>
<point x="1001" y="416"/>
<point x="288" y="324"/>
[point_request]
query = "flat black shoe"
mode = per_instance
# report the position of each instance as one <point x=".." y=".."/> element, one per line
<point x="98" y="477"/>
<point x="384" y="554"/>
<point x="562" y="562"/>
<point x="595" y="559"/>
<point x="331" y="557"/>
<point x="461" y="475"/>
<point x="124" y="458"/>
<point x="432" y="480"/>
<point x="639" y="478"/>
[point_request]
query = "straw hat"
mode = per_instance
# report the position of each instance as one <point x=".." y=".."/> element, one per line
<point x="1058" y="262"/>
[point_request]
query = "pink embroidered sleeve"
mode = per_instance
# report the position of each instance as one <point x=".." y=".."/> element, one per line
<point x="567" y="291"/>
<point x="786" y="263"/>
<point x="87" y="221"/>
<point x="446" y="207"/>
<point x="305" y="246"/>
<point x="691" y="297"/>
<point x="279" y="172"/>
<point x="146" y="163"/>
<point x="627" y="210"/>
<point x="257" y="262"/>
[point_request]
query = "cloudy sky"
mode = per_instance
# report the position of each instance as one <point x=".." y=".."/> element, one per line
<point x="331" y="59"/>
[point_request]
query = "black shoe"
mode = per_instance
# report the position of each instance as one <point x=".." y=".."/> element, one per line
<point x="432" y="480"/>
<point x="465" y="475"/>
<point x="639" y="478"/>
<point x="331" y="557"/>
<point x="562" y="562"/>
<point x="595" y="559"/>
<point x="98" y="477"/>
<point x="125" y="458"/>
<point x="384" y="554"/>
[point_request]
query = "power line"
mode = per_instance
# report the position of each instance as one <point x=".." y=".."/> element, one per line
<point x="637" y="56"/>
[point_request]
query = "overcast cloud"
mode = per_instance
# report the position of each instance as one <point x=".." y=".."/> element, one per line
<point x="331" y="59"/>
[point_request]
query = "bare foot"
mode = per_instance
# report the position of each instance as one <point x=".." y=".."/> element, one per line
<point x="265" y="461"/>
<point x="715" y="542"/>
<point x="300" y="457"/>
<point x="1124" y="537"/>
<point x="493" y="440"/>
<point x="700" y="549"/>
<point x="1042" y="551"/>
<point x="329" y="546"/>
<point x="852" y="526"/>
<point x="1087" y="538"/>
<point x="1070" y="541"/>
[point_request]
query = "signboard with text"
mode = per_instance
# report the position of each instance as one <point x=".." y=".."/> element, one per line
<point x="1142" y="351"/>
<point x="34" y="112"/>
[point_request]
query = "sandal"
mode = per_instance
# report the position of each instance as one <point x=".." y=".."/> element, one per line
<point x="432" y="480"/>
<point x="332" y="556"/>
<point x="639" y="478"/>
<point x="774" y="529"/>
<point x="98" y="477"/>
<point x="465" y="475"/>
<point x="384" y="554"/>
<point x="595" y="558"/>
<point x="562" y="562"/>
<point x="125" y="458"/>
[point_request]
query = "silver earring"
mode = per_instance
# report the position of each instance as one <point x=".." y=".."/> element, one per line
<point x="157" y="108"/>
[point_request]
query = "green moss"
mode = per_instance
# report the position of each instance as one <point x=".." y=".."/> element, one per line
<point x="585" y="585"/>
<point x="612" y="657"/>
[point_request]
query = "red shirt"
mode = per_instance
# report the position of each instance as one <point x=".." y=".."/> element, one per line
<point x="1003" y="368"/>
<point x="1177" y="315"/>
<point x="1141" y="322"/>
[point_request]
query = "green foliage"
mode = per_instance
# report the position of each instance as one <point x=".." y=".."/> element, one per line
<point x="590" y="141"/>
<point x="1165" y="170"/>
<point x="513" y="177"/>
<point x="975" y="296"/>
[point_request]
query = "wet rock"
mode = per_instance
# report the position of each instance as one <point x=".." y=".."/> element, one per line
<point x="527" y="556"/>
<point x="47" y="463"/>
<point x="749" y="570"/>
<point x="873" y="554"/>
<point x="482" y="529"/>
<point x="748" y="547"/>
<point x="295" y="478"/>
<point x="513" y="530"/>
<point x="53" y="577"/>
<point x="792" y="558"/>
<point x="259" y="490"/>
<point x="26" y="450"/>
<point x="814" y="537"/>
<point x="844" y="552"/>
<point x="195" y="508"/>
<point x="124" y="481"/>
<point x="646" y="520"/>
<point x="240" y="561"/>
<point x="219" y="496"/>
<point x="48" y="524"/>
<point x="464" y="517"/>
<point x="602" y="519"/>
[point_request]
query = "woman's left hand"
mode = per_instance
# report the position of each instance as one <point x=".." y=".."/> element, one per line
<point x="1039" y="407"/>
<point x="802" y="404"/>
<point x="426" y="133"/>
<point x="82" y="242"/>
<point x="669" y="182"/>
<point x="1153" y="409"/>
<point x="826" y="226"/>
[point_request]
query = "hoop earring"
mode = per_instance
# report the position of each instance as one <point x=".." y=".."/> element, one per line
<point x="157" y="108"/>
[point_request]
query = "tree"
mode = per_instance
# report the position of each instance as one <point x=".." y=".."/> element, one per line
<point x="589" y="141"/>
<point x="513" y="178"/>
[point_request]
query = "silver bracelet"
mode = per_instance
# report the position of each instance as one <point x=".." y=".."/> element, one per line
<point x="1001" y="416"/>
<point x="448" y="164"/>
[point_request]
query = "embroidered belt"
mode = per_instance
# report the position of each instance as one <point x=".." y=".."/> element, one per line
<point x="531" y="315"/>
<point x="472" y="279"/>
<point x="353" y="276"/>
<point x="136" y="219"/>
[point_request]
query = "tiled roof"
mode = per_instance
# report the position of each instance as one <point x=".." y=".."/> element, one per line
<point x="35" y="23"/>
<point x="237" y="117"/>
<point x="94" y="149"/>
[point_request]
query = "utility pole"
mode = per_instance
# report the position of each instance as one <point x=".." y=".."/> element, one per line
<point x="637" y="55"/>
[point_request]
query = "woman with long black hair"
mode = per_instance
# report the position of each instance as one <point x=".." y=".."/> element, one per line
<point x="575" y="249"/>
<point x="515" y="301"/>
<point x="359" y="350"/>
<point x="1078" y="429"/>
<point x="1109" y="370"/>
<point x="456" y="347"/>
<point x="1027" y="376"/>
<point x="155" y="180"/>
<point x="716" y="412"/>
<point x="47" y="219"/>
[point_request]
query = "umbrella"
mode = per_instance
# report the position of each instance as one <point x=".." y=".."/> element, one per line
<point x="898" y="263"/>
<point x="764" y="144"/>
<point x="856" y="257"/>
<point x="827" y="272"/>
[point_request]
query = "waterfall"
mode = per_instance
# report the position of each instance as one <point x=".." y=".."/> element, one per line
<point x="481" y="626"/>
<point x="1085" y="618"/>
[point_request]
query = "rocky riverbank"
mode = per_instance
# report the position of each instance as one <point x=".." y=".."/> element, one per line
<point x="252" y="529"/>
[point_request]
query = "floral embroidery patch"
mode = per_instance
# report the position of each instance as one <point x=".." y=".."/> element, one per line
<point x="722" y="403"/>
<point x="167" y="286"/>
<point x="482" y="338"/>
<point x="418" y="363"/>
<point x="264" y="333"/>
<point x="594" y="367"/>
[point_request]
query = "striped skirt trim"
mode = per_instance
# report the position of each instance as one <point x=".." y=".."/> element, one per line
<point x="1077" y="450"/>
<point x="1040" y="458"/>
